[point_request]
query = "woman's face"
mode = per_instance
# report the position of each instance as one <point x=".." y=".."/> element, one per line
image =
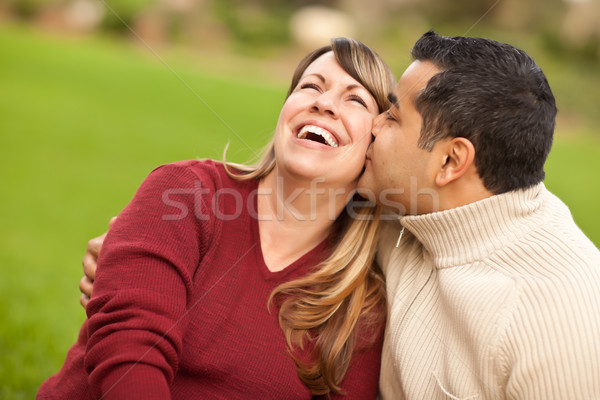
<point x="324" y="127"/>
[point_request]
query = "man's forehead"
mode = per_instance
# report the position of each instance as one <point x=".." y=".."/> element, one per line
<point x="418" y="74"/>
<point x="412" y="82"/>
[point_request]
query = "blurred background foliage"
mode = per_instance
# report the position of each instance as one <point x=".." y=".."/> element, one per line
<point x="96" y="93"/>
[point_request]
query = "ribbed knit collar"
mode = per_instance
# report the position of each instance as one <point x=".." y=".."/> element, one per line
<point x="472" y="232"/>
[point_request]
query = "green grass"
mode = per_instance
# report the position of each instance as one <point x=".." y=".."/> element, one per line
<point x="82" y="122"/>
<point x="572" y="174"/>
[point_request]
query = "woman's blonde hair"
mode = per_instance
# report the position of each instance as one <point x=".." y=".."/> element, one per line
<point x="347" y="290"/>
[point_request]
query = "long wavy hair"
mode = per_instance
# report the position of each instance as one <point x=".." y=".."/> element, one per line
<point x="345" y="292"/>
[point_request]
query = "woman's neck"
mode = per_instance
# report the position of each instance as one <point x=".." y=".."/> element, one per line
<point x="294" y="216"/>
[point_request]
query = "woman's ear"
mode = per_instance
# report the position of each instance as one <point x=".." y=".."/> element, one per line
<point x="458" y="156"/>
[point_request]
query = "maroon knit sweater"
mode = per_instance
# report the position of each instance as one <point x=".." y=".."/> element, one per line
<point x="179" y="308"/>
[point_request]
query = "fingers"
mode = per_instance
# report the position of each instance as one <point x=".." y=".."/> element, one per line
<point x="94" y="245"/>
<point x="89" y="262"/>
<point x="90" y="258"/>
<point x="86" y="286"/>
<point x="84" y="300"/>
<point x="89" y="269"/>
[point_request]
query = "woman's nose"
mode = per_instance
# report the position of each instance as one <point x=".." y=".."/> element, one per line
<point x="326" y="104"/>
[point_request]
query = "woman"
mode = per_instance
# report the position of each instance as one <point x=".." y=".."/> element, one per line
<point x="227" y="281"/>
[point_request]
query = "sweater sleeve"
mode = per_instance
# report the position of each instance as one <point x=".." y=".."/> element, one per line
<point x="137" y="314"/>
<point x="552" y="342"/>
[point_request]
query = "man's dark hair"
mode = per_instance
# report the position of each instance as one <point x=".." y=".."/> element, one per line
<point x="494" y="95"/>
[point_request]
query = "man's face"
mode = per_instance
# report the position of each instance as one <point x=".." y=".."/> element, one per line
<point x="398" y="172"/>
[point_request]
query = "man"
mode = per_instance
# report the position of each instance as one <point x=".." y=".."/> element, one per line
<point x="494" y="293"/>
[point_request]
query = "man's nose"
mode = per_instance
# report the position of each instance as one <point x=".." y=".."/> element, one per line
<point x="377" y="122"/>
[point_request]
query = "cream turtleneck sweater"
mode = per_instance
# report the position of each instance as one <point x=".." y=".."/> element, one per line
<point x="498" y="299"/>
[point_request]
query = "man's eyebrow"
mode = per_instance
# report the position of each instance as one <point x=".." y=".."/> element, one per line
<point x="393" y="99"/>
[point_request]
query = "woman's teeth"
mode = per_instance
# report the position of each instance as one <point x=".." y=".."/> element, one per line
<point x="315" y="130"/>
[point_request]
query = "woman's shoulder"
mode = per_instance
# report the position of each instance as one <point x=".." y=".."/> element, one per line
<point x="200" y="167"/>
<point x="203" y="172"/>
<point x="206" y="171"/>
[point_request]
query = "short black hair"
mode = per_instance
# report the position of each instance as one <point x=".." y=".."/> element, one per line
<point x="494" y="95"/>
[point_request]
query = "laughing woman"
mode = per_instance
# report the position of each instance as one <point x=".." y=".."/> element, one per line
<point x="236" y="282"/>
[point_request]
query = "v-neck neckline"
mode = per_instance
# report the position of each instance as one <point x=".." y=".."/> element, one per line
<point x="316" y="254"/>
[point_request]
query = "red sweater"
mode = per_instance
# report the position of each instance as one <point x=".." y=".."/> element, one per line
<point x="179" y="308"/>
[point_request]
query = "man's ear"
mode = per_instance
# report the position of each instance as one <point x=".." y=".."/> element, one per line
<point x="458" y="156"/>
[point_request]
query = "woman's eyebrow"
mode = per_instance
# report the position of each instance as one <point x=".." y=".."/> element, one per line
<point x="355" y="86"/>
<point x="393" y="99"/>
<point x="319" y="76"/>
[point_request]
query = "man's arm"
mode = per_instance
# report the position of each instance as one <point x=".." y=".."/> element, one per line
<point x="553" y="345"/>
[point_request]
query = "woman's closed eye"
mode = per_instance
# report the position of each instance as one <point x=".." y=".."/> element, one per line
<point x="310" y="85"/>
<point x="359" y="100"/>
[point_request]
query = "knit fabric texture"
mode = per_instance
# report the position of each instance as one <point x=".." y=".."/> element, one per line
<point x="498" y="299"/>
<point x="179" y="308"/>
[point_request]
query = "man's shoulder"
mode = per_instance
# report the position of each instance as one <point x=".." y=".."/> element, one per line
<point x="559" y="236"/>
<point x="553" y="255"/>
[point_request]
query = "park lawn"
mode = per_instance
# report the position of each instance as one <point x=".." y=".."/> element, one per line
<point x="82" y="122"/>
<point x="572" y="174"/>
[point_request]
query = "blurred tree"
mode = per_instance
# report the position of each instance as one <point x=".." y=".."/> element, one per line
<point x="256" y="23"/>
<point x="29" y="8"/>
<point x="121" y="13"/>
<point x="580" y="27"/>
